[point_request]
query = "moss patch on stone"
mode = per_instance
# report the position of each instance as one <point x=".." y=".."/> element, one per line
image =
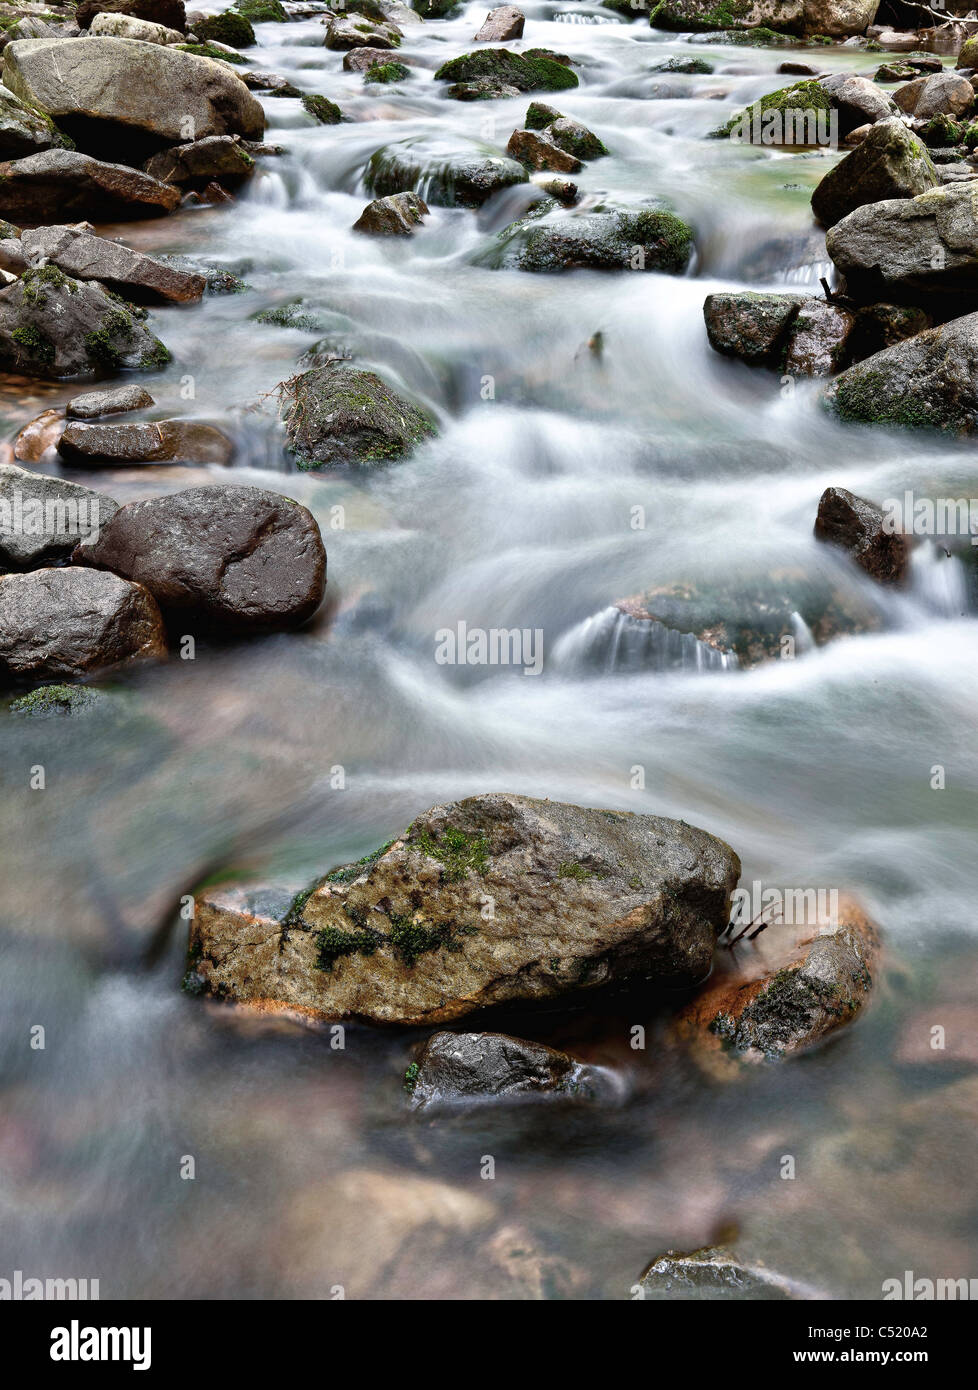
<point x="526" y="74"/>
<point x="457" y="850"/>
<point x="231" y="28"/>
<point x="325" y="111"/>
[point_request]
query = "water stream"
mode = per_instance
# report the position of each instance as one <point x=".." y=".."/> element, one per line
<point x="520" y="514"/>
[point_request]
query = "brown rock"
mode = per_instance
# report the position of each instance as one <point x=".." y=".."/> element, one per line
<point x="396" y="215"/>
<point x="150" y="441"/>
<point x="857" y="526"/>
<point x="535" y="150"/>
<point x="501" y="24"/>
<point x="88" y="257"/>
<point x="57" y="184"/>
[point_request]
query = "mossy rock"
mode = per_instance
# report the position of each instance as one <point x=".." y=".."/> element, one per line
<point x="605" y="239"/>
<point x="325" y="111"/>
<point x="807" y="95"/>
<point x="338" y="416"/>
<point x="262" y="11"/>
<point x="54" y="700"/>
<point x="231" y="28"/>
<point x="386" y="73"/>
<point x="501" y="69"/>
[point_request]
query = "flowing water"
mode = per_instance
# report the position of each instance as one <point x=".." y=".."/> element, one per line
<point x="280" y="757"/>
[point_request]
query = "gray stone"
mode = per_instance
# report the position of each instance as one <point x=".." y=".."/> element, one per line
<point x="116" y="401"/>
<point x="445" y="173"/>
<point x="220" y="157"/>
<point x="353" y="30"/>
<point x="713" y="1274"/>
<point x="501" y="24"/>
<point x="452" y="1068"/>
<point x="25" y="130"/>
<point x="649" y="239"/>
<point x="42" y="519"/>
<point x="536" y="150"/>
<point x="239" y="557"/>
<point x="857" y="526"/>
<point x="339" y="417"/>
<point x="396" y="215"/>
<point x="889" y="163"/>
<point x="97" y="445"/>
<point x="58" y="623"/>
<point x="124" y="26"/>
<point x="131" y="273"/>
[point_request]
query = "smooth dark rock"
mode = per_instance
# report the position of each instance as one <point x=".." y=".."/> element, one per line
<point x="240" y="556"/>
<point x="56" y="184"/>
<point x="42" y="519"/>
<point x="116" y="401"/>
<point x="458" y="1067"/>
<point x="889" y="163"/>
<point x="57" y="623"/>
<point x="857" y="526"/>
<point x="220" y="157"/>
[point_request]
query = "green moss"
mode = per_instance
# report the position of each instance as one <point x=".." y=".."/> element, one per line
<point x="728" y="14"/>
<point x="525" y="72"/>
<point x="262" y="11"/>
<point x="970" y="137"/>
<point x="156" y="356"/>
<point x="332" y="943"/>
<point x="865" y="397"/>
<point x="346" y="873"/>
<point x="35" y="282"/>
<point x="806" y="95"/>
<point x="941" y="131"/>
<point x="230" y="28"/>
<point x="411" y="939"/>
<point x="458" y="851"/>
<point x="289" y="316"/>
<point x="55" y="699"/>
<point x="208" y="50"/>
<point x="386" y="72"/>
<point x="101" y="344"/>
<point x="578" y="872"/>
<point x="325" y="111"/>
<point x="668" y="235"/>
<point x="33" y="341"/>
<point x="411" y="1077"/>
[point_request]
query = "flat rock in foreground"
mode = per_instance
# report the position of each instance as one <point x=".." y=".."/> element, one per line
<point x="495" y="899"/>
<point x="56" y="184"/>
<point x="131" y="273"/>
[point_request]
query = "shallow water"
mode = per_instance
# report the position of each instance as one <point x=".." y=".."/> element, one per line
<point x="309" y="1174"/>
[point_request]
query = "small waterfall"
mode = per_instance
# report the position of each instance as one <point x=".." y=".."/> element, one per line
<point x="938" y="581"/>
<point x="804" y="640"/>
<point x="614" y="641"/>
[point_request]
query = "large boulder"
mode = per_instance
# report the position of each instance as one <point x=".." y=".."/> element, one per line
<point x="112" y="95"/>
<point x="58" y="623"/>
<point x="795" y="984"/>
<point x="916" y="250"/>
<point x="239" y="557"/>
<point x="125" y="26"/>
<point x="52" y="326"/>
<point x="340" y="417"/>
<point x="940" y="94"/>
<point x="603" y="238"/>
<point x="354" y="30"/>
<point x="857" y="526"/>
<point x="56" y="184"/>
<point x="455" y="1068"/>
<point x="496" y="72"/>
<point x="890" y="163"/>
<point x="835" y="18"/>
<point x="858" y="100"/>
<point x="929" y="382"/>
<point x="496" y="899"/>
<point x="88" y="257"/>
<point x="795" y="333"/>
<point x="42" y="519"/>
<point x="26" y="130"/>
<point x="445" y="173"/>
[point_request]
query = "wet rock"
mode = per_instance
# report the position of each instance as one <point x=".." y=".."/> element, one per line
<point x="567" y="135"/>
<point x="913" y="250"/>
<point x="857" y="100"/>
<point x="713" y="1273"/>
<point x="238" y="556"/>
<point x="24" y="130"/>
<point x="457" y="1067"/>
<point x="355" y="30"/>
<point x="894" y="72"/>
<point x="229" y="28"/>
<point x="537" y="151"/>
<point x="86" y="257"/>
<point x="220" y="157"/>
<point x="563" y="190"/>
<point x="793" y="116"/>
<point x="120" y="399"/>
<point x="818" y="342"/>
<point x="271" y="82"/>
<point x="880" y="326"/>
<point x="323" y="110"/>
<point x="890" y="162"/>
<point x="37" y="441"/>
<point x="124" y="26"/>
<point x="361" y="59"/>
<point x="56" y="184"/>
<point x="444" y="173"/>
<point x="12" y="258"/>
<point x="386" y="73"/>
<point x="56" y="701"/>
<point x="262" y="11"/>
<point x="688" y="66"/>
<point x="928" y="382"/>
<point x="396" y="215"/>
<point x="158" y="441"/>
<point x="738" y="621"/>
<point x="170" y="13"/>
<point x="499" y="25"/>
<point x="581" y="898"/>
<point x="112" y="95"/>
<point x="339" y="417"/>
<point x="940" y="94"/>
<point x="504" y="72"/>
<point x="785" y="991"/>
<point x="857" y="526"/>
<point x="62" y="623"/>
<point x="600" y="239"/>
<point x="704" y="16"/>
<point x="750" y="326"/>
<point x="52" y="326"/>
<point x="42" y="519"/>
